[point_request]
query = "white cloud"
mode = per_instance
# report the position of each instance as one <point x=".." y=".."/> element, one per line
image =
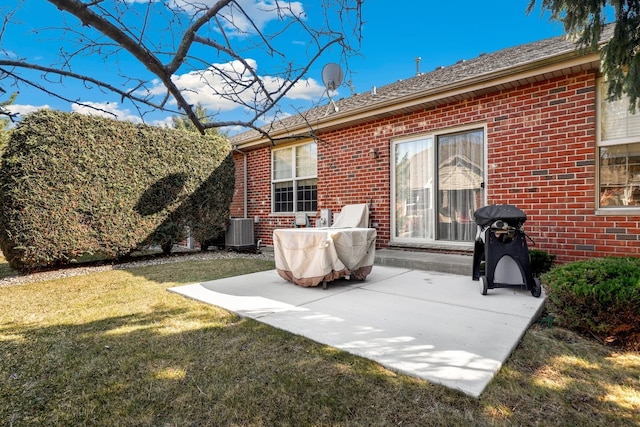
<point x="306" y="89"/>
<point x="208" y="87"/>
<point x="23" y="109"/>
<point x="105" y="109"/>
<point x="213" y="91"/>
<point x="234" y="130"/>
<point x="270" y="118"/>
<point x="167" y="122"/>
<point x="260" y="13"/>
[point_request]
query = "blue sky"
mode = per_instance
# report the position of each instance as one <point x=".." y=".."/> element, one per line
<point x="439" y="33"/>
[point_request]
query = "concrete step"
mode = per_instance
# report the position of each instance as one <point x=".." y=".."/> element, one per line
<point x="417" y="260"/>
<point x="428" y="261"/>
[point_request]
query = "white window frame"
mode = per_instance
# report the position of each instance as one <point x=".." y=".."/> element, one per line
<point x="433" y="194"/>
<point x="293" y="178"/>
<point x="615" y="141"/>
<point x="431" y="203"/>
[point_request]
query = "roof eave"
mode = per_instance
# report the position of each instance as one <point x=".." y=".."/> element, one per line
<point x="566" y="63"/>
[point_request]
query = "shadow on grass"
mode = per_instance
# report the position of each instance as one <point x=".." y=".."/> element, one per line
<point x="201" y="271"/>
<point x="5" y="270"/>
<point x="175" y="270"/>
<point x="161" y="359"/>
<point x="186" y="367"/>
<point x="564" y="379"/>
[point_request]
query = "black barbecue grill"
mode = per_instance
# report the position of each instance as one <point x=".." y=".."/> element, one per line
<point x="502" y="244"/>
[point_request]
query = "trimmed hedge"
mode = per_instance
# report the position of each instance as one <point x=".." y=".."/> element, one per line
<point x="599" y="297"/>
<point x="72" y="185"/>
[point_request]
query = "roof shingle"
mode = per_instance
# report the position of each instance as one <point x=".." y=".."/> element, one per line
<point x="459" y="74"/>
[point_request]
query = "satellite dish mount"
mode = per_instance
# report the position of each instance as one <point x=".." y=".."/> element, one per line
<point x="332" y="78"/>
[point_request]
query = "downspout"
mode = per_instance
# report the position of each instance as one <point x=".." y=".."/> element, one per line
<point x="245" y="179"/>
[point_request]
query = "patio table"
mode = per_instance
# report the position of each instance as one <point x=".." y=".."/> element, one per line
<point x="311" y="256"/>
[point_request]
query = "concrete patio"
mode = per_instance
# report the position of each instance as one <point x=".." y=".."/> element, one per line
<point x="431" y="325"/>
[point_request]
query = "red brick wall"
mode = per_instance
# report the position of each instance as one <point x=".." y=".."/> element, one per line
<point x="237" y="203"/>
<point x="347" y="174"/>
<point x="543" y="147"/>
<point x="541" y="158"/>
<point x="258" y="194"/>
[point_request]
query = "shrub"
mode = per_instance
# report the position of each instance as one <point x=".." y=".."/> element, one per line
<point x="541" y="261"/>
<point x="599" y="297"/>
<point x="72" y="185"/>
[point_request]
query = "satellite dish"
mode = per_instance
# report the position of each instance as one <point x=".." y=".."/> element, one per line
<point x="332" y="76"/>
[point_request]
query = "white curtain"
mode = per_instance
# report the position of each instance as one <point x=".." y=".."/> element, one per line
<point x="413" y="190"/>
<point x="460" y="184"/>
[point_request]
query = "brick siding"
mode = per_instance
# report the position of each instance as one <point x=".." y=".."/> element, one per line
<point x="541" y="157"/>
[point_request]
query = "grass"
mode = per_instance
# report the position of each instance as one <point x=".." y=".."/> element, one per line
<point x="115" y="348"/>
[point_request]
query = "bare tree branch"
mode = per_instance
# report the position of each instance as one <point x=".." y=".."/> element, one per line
<point x="190" y="33"/>
<point x="232" y="29"/>
<point x="88" y="17"/>
<point x="130" y="94"/>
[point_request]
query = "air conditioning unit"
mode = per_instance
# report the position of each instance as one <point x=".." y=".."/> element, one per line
<point x="239" y="235"/>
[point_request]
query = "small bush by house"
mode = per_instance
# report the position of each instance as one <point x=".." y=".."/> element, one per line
<point x="541" y="261"/>
<point x="599" y="297"/>
<point x="72" y="185"/>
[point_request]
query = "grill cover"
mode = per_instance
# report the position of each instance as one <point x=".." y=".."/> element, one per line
<point x="510" y="214"/>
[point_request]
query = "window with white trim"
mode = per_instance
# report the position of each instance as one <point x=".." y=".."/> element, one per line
<point x="437" y="185"/>
<point x="618" y="153"/>
<point x="294" y="179"/>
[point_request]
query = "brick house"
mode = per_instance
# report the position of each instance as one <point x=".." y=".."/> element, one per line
<point x="527" y="126"/>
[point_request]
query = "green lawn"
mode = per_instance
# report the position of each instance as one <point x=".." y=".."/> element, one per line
<point x="116" y="349"/>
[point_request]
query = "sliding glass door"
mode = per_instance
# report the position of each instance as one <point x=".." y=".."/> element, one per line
<point x="414" y="204"/>
<point x="438" y="182"/>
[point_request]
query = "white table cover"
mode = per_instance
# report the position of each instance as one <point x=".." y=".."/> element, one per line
<point x="310" y="256"/>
